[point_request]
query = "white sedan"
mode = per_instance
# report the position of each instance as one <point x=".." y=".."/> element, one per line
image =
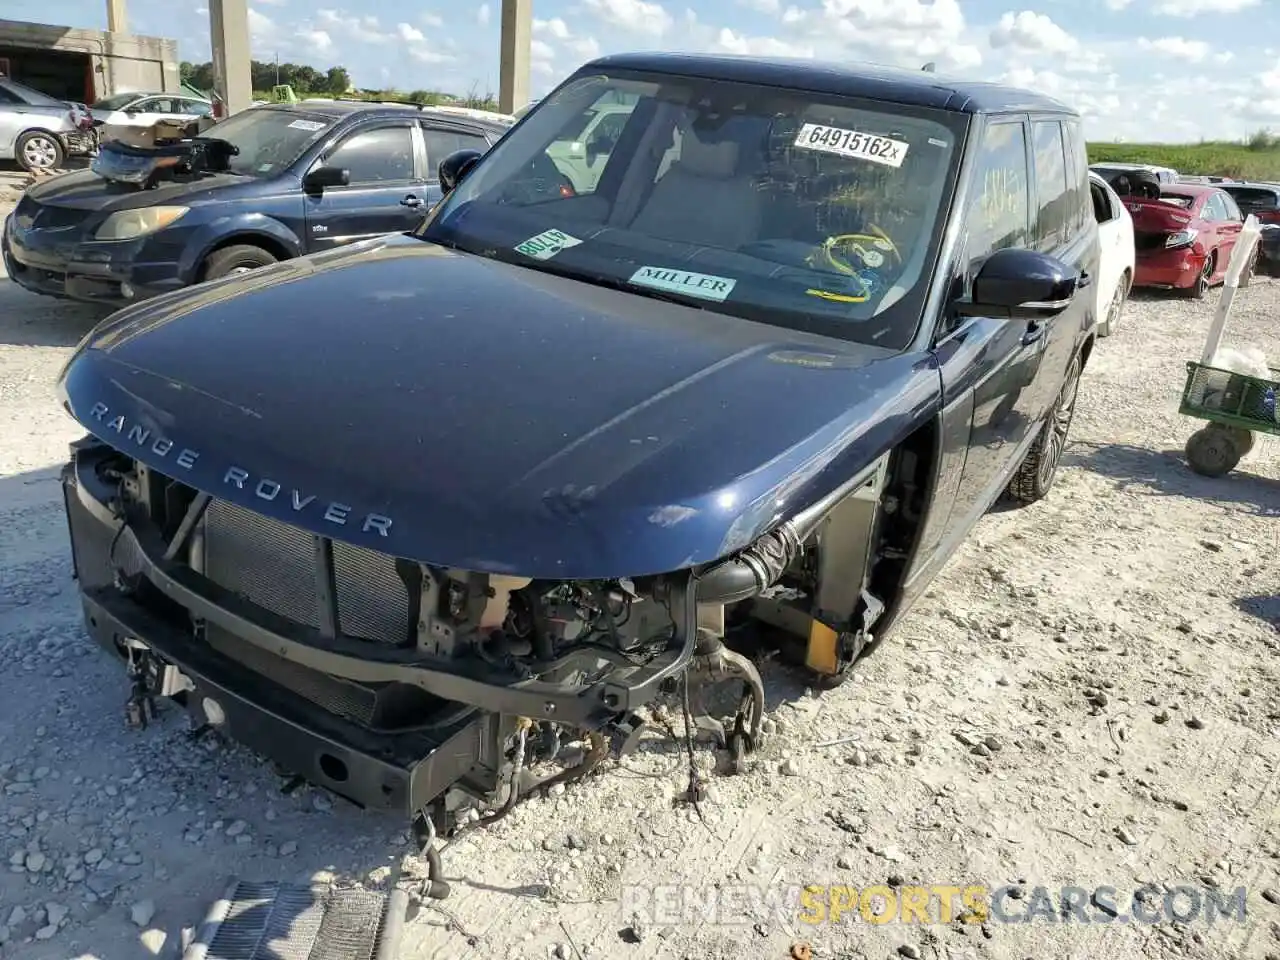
<point x="131" y="117"/>
<point x="1115" y="236"/>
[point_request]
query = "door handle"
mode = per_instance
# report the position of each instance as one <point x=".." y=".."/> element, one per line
<point x="1035" y="330"/>
<point x="411" y="201"/>
<point x="1084" y="280"/>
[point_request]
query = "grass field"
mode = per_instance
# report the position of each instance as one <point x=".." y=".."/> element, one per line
<point x="1258" y="158"/>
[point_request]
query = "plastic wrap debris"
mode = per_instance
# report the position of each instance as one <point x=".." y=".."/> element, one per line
<point x="1219" y="389"/>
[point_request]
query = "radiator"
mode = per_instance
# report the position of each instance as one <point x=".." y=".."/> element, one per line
<point x="273" y="564"/>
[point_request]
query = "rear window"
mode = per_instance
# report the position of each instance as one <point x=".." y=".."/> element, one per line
<point x="23" y="94"/>
<point x="1177" y="200"/>
<point x="1252" y="198"/>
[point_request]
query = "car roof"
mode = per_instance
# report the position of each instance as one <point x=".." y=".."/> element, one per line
<point x="858" y="79"/>
<point x="339" y="109"/>
<point x="1250" y="185"/>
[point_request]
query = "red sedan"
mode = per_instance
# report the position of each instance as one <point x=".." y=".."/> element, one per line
<point x="1184" y="239"/>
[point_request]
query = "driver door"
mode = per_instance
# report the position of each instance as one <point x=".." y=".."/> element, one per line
<point x="387" y="192"/>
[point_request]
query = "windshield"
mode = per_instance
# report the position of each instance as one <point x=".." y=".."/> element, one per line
<point x="268" y="140"/>
<point x="811" y="212"/>
<point x="118" y="102"/>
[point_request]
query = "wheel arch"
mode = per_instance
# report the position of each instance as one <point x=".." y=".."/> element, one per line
<point x="270" y="244"/>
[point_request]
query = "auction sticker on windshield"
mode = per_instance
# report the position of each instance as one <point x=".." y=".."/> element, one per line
<point x="309" y="125"/>
<point x="851" y="143"/>
<point x="681" y="281"/>
<point x="547" y="244"/>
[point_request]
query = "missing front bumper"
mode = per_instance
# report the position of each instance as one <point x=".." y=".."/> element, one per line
<point x="373" y="767"/>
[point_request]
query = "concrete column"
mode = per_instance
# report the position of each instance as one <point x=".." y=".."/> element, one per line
<point x="229" y="31"/>
<point x="117" y="21"/>
<point x="513" y="69"/>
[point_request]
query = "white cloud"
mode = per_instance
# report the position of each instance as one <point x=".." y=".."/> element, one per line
<point x="1193" y="51"/>
<point x="262" y="29"/>
<point x="1118" y="5"/>
<point x="317" y="41"/>
<point x="363" y="29"/>
<point x="409" y="34"/>
<point x="554" y="28"/>
<point x="906" y="32"/>
<point x="634" y="16"/>
<point x="1032" y="32"/>
<point x="483" y="15"/>
<point x="587" y="48"/>
<point x="1192" y="8"/>
<point x="763" y="6"/>
<point x="731" y="42"/>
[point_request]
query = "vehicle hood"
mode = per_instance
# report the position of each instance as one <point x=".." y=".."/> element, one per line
<point x="501" y="418"/>
<point x="84" y="190"/>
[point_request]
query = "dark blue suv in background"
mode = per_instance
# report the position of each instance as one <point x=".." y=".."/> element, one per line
<point x="292" y="179"/>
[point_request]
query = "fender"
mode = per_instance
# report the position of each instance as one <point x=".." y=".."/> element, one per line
<point x="247" y="225"/>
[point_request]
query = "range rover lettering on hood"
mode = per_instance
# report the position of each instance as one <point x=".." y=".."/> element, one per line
<point x="264" y="488"/>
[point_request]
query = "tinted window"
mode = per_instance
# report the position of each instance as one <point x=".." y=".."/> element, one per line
<point x="118" y="102"/>
<point x="1212" y="209"/>
<point x="1053" y="219"/>
<point x="1229" y="205"/>
<point x="1081" y="203"/>
<point x="375" y="156"/>
<point x="1253" y="198"/>
<point x="196" y="108"/>
<point x="441" y="143"/>
<point x="155" y="105"/>
<point x="21" y="93"/>
<point x="998" y="215"/>
<point x="1104" y="210"/>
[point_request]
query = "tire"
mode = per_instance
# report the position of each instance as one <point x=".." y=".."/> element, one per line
<point x="1200" y="289"/>
<point x="1116" y="307"/>
<point x="238" y="258"/>
<point x="1036" y="473"/>
<point x="38" y="150"/>
<point x="1211" y="451"/>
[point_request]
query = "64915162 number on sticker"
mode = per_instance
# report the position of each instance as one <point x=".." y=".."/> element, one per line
<point x="851" y="143"/>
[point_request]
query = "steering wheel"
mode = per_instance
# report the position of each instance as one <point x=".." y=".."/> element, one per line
<point x="867" y="258"/>
<point x="539" y="182"/>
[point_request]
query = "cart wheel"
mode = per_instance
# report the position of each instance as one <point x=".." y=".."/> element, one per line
<point x="1211" y="451"/>
<point x="1241" y="439"/>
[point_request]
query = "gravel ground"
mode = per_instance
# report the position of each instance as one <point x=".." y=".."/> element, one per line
<point x="1086" y="697"/>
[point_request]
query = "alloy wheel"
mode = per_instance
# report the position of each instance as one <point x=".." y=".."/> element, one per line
<point x="1116" y="308"/>
<point x="1059" y="426"/>
<point x="40" y="151"/>
<point x="1206" y="272"/>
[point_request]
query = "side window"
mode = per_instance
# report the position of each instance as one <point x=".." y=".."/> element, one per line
<point x="1077" y="175"/>
<point x="441" y="143"/>
<point x="1104" y="210"/>
<point x="196" y="108"/>
<point x="999" y="211"/>
<point x="380" y="155"/>
<point x="1230" y="206"/>
<point x="1212" y="210"/>
<point x="1053" y="218"/>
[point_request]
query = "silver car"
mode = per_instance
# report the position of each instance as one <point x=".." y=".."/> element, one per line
<point x="40" y="131"/>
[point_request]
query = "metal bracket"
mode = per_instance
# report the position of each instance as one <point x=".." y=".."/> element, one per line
<point x="714" y="663"/>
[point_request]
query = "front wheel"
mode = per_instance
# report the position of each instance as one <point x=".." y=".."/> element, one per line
<point x="39" y="151"/>
<point x="1038" y="470"/>
<point x="240" y="258"/>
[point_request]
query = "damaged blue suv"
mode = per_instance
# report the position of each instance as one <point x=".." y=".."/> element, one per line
<point x="742" y="370"/>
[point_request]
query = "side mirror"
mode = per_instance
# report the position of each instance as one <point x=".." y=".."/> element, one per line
<point x="1022" y="285"/>
<point x="322" y="177"/>
<point x="456" y="166"/>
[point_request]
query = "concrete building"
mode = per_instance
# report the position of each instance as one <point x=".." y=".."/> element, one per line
<point x="86" y="65"/>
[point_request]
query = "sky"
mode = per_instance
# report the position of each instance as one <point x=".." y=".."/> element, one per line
<point x="1139" y="70"/>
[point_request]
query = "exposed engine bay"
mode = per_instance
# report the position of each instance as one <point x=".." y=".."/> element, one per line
<point x="446" y="693"/>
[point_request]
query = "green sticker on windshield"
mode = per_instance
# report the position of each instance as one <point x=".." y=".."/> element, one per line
<point x="546" y="245"/>
<point x="681" y="281"/>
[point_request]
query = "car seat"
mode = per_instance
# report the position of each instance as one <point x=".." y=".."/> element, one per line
<point x="707" y="195"/>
